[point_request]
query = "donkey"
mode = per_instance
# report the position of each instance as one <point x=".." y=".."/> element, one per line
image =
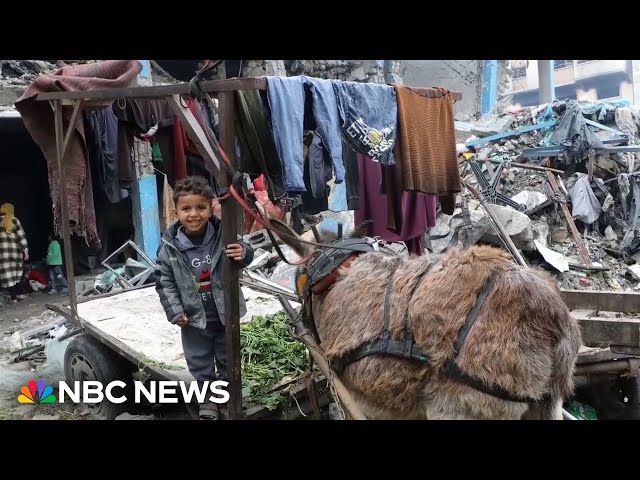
<point x="467" y="335"/>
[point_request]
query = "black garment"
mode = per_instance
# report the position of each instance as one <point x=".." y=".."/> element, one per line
<point x="351" y="177"/>
<point x="101" y="134"/>
<point x="13" y="291"/>
<point x="319" y="168"/>
<point x="258" y="152"/>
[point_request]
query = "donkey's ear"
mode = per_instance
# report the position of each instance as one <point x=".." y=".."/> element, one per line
<point x="289" y="237"/>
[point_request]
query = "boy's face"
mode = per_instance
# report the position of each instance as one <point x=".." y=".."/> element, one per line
<point x="193" y="212"/>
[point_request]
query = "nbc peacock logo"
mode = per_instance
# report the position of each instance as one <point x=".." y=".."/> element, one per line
<point x="28" y="393"/>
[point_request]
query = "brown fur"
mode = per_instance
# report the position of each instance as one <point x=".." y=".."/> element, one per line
<point x="524" y="339"/>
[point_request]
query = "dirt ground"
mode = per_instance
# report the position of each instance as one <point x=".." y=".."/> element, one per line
<point x="47" y="365"/>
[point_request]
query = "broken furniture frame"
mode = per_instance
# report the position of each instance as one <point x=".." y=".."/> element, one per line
<point x="224" y="90"/>
<point x="140" y="278"/>
<point x="490" y="187"/>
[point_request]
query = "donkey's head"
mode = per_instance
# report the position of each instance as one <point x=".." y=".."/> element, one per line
<point x="308" y="247"/>
<point x="325" y="237"/>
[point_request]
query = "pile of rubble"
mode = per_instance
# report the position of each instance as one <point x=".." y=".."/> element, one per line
<point x="564" y="181"/>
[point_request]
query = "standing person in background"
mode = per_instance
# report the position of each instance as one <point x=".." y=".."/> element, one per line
<point x="54" y="261"/>
<point x="14" y="251"/>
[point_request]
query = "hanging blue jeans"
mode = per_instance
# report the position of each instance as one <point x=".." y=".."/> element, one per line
<point x="286" y="101"/>
<point x="369" y="118"/>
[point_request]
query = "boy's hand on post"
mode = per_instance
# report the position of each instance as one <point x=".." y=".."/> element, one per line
<point x="235" y="251"/>
<point x="182" y="321"/>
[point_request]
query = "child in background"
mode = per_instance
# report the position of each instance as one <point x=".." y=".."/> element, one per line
<point x="54" y="261"/>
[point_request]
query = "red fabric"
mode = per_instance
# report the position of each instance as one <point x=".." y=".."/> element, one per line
<point x="38" y="117"/>
<point x="251" y="225"/>
<point x="37" y="276"/>
<point x="258" y="184"/>
<point x="182" y="144"/>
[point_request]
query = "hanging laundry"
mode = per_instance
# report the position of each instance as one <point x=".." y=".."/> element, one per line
<point x="38" y="118"/>
<point x="286" y="102"/>
<point x="317" y="169"/>
<point x="316" y="197"/>
<point x="258" y="152"/>
<point x="328" y="124"/>
<point x="169" y="216"/>
<point x="140" y="117"/>
<point x="425" y="149"/>
<point x="352" y="178"/>
<point x="369" y="118"/>
<point x="101" y="136"/>
<point x="287" y="98"/>
<point x="418" y="210"/>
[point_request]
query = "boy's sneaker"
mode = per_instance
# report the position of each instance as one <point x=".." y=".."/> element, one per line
<point x="53" y="291"/>
<point x="64" y="290"/>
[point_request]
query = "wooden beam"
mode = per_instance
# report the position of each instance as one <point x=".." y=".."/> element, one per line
<point x="230" y="271"/>
<point x="198" y="136"/>
<point x="62" y="143"/>
<point x="600" y="331"/>
<point x="567" y="215"/>
<point x="158" y="91"/>
<point x="162" y="91"/>
<point x="626" y="302"/>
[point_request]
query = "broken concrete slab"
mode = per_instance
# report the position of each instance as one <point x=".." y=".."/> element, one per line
<point x="610" y="234"/>
<point x="516" y="224"/>
<point x="541" y="231"/>
<point x="490" y="124"/>
<point x="534" y="201"/>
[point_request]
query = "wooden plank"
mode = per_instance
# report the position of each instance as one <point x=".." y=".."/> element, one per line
<point x="230" y="272"/>
<point x="158" y="91"/>
<point x="62" y="143"/>
<point x="198" y="136"/>
<point x="528" y="167"/>
<point x="599" y="331"/>
<point x="626" y="302"/>
<point x="567" y="215"/>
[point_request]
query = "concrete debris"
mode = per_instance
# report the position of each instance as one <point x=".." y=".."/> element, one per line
<point x="600" y="188"/>
<point x="129" y="416"/>
<point x="517" y="225"/>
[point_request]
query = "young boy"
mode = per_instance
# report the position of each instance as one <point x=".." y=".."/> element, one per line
<point x="189" y="281"/>
<point x="54" y="261"/>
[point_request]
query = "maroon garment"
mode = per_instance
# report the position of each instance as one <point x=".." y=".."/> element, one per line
<point x="418" y="209"/>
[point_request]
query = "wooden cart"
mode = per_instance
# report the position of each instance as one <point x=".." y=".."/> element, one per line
<point x="126" y="336"/>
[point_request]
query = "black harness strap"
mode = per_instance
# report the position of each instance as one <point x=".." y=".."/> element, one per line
<point x="452" y="370"/>
<point x="405" y="348"/>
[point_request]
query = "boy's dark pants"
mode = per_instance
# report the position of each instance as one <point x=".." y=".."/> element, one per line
<point x="202" y="348"/>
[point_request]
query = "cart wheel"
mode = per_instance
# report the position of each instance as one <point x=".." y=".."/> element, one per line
<point x="87" y="359"/>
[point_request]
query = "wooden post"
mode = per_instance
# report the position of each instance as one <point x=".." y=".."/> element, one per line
<point x="230" y="271"/>
<point x="62" y="142"/>
<point x="572" y="226"/>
